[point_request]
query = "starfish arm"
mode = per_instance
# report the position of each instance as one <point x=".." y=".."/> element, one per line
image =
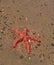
<point x="33" y="38"/>
<point x="15" y="31"/>
<point x="15" y="42"/>
<point x="24" y="31"/>
<point x="27" y="46"/>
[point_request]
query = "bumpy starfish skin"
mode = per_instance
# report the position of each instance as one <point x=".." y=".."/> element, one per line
<point x="23" y="37"/>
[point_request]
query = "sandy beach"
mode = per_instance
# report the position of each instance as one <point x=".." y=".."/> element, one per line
<point x="38" y="17"/>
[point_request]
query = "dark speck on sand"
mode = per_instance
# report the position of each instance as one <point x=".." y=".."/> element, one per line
<point x="52" y="44"/>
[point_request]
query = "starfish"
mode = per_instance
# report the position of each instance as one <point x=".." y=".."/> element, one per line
<point x="23" y="37"/>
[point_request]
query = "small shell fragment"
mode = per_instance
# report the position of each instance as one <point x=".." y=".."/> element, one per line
<point x="29" y="40"/>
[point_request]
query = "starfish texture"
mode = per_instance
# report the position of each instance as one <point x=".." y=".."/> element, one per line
<point x="23" y="37"/>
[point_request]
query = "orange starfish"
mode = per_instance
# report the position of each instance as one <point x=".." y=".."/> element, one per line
<point x="23" y="37"/>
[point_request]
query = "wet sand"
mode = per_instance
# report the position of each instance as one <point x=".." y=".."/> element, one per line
<point x="38" y="17"/>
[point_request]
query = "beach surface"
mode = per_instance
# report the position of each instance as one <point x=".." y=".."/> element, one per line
<point x="38" y="17"/>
